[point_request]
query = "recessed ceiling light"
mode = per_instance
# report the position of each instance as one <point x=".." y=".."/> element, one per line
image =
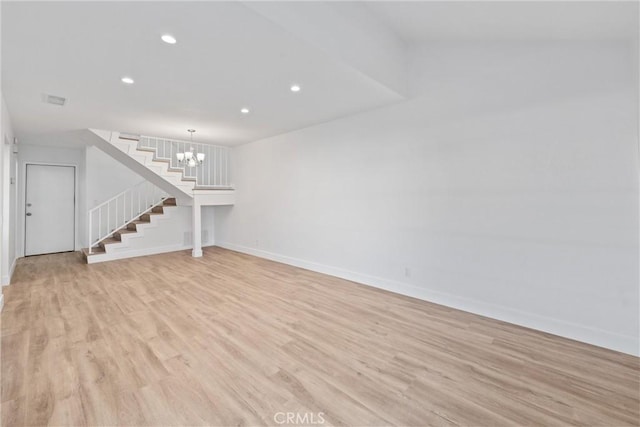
<point x="127" y="80"/>
<point x="244" y="111"/>
<point x="295" y="88"/>
<point x="168" y="38"/>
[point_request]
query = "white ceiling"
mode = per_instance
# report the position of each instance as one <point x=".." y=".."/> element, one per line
<point x="231" y="55"/>
<point x="421" y="21"/>
<point x="227" y="57"/>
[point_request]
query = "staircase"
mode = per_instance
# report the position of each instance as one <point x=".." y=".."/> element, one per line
<point x="155" y="160"/>
<point x="119" y="239"/>
<point x="178" y="191"/>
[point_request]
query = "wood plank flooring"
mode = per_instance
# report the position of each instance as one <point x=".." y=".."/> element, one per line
<point x="230" y="339"/>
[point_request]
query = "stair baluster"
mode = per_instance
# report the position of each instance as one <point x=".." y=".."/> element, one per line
<point x="144" y="195"/>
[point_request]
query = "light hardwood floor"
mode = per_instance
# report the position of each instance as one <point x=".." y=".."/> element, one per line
<point x="229" y="339"/>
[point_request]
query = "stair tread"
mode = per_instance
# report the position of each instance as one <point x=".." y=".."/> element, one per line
<point x="95" y="251"/>
<point x="139" y="221"/>
<point x="125" y="231"/>
<point x="110" y="240"/>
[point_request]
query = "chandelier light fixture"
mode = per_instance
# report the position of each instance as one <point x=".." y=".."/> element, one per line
<point x="190" y="158"/>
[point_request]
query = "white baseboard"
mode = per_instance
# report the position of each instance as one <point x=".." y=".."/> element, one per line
<point x="6" y="278"/>
<point x="93" y="259"/>
<point x="601" y="338"/>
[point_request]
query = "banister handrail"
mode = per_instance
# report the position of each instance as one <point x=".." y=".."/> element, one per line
<point x="135" y="201"/>
<point x="115" y="197"/>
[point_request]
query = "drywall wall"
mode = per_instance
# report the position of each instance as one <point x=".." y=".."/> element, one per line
<point x="7" y="197"/>
<point x="13" y="206"/>
<point x="357" y="36"/>
<point x="106" y="177"/>
<point x="507" y="186"/>
<point x="166" y="233"/>
<point x="99" y="178"/>
<point x="55" y="156"/>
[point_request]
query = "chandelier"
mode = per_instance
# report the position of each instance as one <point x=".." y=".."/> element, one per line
<point x="190" y="158"/>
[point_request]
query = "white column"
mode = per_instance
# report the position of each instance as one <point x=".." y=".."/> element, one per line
<point x="196" y="230"/>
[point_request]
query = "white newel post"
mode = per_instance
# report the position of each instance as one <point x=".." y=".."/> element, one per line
<point x="197" y="228"/>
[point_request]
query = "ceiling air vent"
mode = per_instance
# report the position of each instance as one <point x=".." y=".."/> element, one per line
<point x="55" y="100"/>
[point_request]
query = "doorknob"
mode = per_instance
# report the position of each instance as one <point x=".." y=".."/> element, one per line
<point x="28" y="213"/>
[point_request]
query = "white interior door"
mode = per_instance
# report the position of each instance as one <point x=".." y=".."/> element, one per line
<point x="50" y="209"/>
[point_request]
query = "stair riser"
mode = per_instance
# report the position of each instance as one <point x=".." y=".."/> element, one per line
<point x="133" y="226"/>
<point x="96" y="250"/>
<point x="119" y="235"/>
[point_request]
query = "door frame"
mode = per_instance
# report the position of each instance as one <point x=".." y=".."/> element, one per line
<point x="23" y="205"/>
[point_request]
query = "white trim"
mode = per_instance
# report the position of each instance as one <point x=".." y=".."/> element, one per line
<point x="96" y="258"/>
<point x="6" y="279"/>
<point x="598" y="337"/>
<point x="1" y="301"/>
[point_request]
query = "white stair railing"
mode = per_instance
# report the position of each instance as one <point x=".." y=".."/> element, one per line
<point x="114" y="214"/>
<point x="214" y="172"/>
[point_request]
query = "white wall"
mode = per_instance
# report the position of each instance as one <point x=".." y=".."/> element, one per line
<point x="106" y="177"/>
<point x="166" y="233"/>
<point x="508" y="186"/>
<point x="14" y="211"/>
<point x="100" y="177"/>
<point x="51" y="155"/>
<point x="7" y="197"/>
<point x="357" y="36"/>
<point x="208" y="225"/>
